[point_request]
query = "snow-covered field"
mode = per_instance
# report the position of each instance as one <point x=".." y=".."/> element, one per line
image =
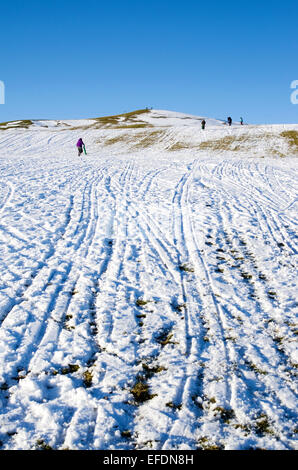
<point x="148" y="290"/>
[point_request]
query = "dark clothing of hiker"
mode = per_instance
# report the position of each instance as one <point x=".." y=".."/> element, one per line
<point x="80" y="144"/>
<point x="241" y="121"/>
<point x="203" y="124"/>
<point x="229" y="121"/>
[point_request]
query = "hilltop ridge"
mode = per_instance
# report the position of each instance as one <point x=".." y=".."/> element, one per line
<point x="145" y="117"/>
<point x="153" y="129"/>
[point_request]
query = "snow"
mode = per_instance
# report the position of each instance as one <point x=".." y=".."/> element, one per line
<point x="155" y="260"/>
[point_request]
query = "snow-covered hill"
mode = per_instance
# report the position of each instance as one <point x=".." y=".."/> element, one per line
<point x="150" y="130"/>
<point x="148" y="291"/>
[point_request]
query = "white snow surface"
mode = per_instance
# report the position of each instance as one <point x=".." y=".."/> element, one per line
<point x="156" y="260"/>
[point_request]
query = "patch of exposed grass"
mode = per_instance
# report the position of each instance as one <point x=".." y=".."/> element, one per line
<point x="245" y="275"/>
<point x="139" y="140"/>
<point x="180" y="146"/>
<point x="148" y="139"/>
<point x="228" y="143"/>
<point x="120" y="118"/>
<point x="178" y="307"/>
<point x="292" y="139"/>
<point x="141" y="315"/>
<point x="24" y="124"/>
<point x="108" y="120"/>
<point x="117" y="139"/>
<point x="74" y="291"/>
<point x="135" y="126"/>
<point x="140" y="392"/>
<point x="278" y="341"/>
<point x="174" y="406"/>
<point x="277" y="153"/>
<point x="245" y="428"/>
<point x="141" y="302"/>
<point x="70" y="369"/>
<point x="219" y="269"/>
<point x="42" y="445"/>
<point x="164" y="337"/>
<point x="186" y="268"/>
<point x="205" y="443"/>
<point x="150" y="371"/>
<point x="262" y="425"/>
<point x="87" y="378"/>
<point x="166" y="341"/>
<point x="255" y="368"/>
<point x="225" y="414"/>
<point x="272" y="294"/>
<point x="233" y="143"/>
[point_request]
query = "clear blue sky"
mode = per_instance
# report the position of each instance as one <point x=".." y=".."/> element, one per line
<point x="71" y="59"/>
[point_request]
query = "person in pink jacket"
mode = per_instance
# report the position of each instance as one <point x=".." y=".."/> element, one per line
<point x="80" y="145"/>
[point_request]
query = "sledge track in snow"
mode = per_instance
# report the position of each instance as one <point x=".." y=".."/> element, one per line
<point x="254" y="280"/>
<point x="7" y="196"/>
<point x="46" y="277"/>
<point x="171" y="264"/>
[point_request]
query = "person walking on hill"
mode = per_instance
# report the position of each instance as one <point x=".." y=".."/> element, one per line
<point x="203" y="124"/>
<point x="80" y="145"/>
<point x="229" y="121"/>
<point x="241" y="121"/>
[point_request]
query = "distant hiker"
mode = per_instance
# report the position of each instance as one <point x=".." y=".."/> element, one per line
<point x="241" y="121"/>
<point x="203" y="124"/>
<point x="80" y="145"/>
<point x="229" y="121"/>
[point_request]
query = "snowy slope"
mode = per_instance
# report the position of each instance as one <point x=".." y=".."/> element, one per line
<point x="148" y="296"/>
